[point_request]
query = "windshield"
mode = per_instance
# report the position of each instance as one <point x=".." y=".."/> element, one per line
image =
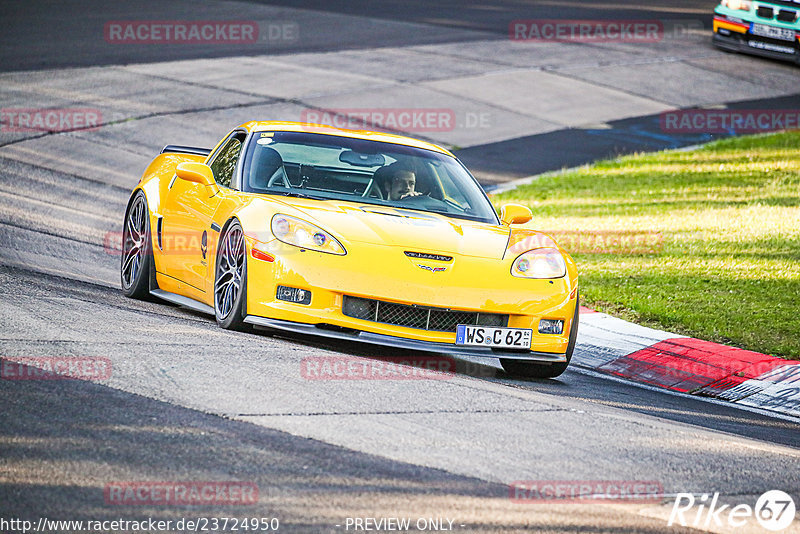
<point x="370" y="172"/>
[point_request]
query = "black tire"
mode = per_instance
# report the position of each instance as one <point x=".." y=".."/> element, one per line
<point x="538" y="370"/>
<point x="230" y="279"/>
<point x="137" y="249"/>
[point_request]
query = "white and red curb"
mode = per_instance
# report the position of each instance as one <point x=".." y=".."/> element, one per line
<point x="678" y="363"/>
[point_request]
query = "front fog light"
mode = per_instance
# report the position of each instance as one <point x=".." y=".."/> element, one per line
<point x="294" y="294"/>
<point x="551" y="326"/>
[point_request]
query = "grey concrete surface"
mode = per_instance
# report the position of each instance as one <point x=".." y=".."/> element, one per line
<point x="497" y="91"/>
<point x="43" y="34"/>
<point x="307" y="485"/>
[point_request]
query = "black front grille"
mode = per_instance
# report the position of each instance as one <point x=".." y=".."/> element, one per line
<point x="764" y="12"/>
<point x="399" y="314"/>
<point x="784" y="15"/>
<point x="422" y="317"/>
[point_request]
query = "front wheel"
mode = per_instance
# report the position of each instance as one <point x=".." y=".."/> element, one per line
<point x="230" y="280"/>
<point x="552" y="370"/>
<point x="137" y="253"/>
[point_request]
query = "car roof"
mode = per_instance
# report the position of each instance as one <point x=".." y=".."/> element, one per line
<point x="287" y="126"/>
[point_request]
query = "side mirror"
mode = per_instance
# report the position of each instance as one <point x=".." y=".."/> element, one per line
<point x="199" y="173"/>
<point x="515" y="214"/>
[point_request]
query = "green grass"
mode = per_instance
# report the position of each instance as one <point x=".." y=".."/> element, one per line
<point x="729" y="218"/>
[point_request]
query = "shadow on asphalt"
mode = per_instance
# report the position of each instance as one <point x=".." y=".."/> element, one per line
<point x="592" y="388"/>
<point x="64" y="440"/>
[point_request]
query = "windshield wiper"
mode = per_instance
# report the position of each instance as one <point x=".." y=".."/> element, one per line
<point x="297" y="195"/>
<point x="434" y="210"/>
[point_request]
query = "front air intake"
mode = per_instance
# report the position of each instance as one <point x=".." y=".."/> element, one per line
<point x="421" y="317"/>
<point x="764" y="12"/>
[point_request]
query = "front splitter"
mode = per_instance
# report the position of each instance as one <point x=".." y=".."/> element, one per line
<point x="403" y="343"/>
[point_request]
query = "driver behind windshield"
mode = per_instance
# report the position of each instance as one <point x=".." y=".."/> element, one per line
<point x="399" y="183"/>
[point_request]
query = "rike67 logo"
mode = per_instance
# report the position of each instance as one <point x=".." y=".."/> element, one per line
<point x="774" y="510"/>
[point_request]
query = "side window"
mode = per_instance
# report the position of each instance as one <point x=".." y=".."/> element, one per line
<point x="225" y="162"/>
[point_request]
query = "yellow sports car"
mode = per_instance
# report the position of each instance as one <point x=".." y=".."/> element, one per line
<point x="353" y="235"/>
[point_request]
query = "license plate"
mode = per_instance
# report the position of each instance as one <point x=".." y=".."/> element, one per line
<point x="770" y="31"/>
<point x="487" y="336"/>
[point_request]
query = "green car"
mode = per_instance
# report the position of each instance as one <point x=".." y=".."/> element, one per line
<point x="769" y="29"/>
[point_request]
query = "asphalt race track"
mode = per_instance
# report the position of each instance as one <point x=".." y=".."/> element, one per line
<point x="187" y="401"/>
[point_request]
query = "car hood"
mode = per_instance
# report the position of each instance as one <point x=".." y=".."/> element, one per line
<point x="415" y="231"/>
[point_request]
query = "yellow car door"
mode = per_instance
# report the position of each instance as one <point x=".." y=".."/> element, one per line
<point x="188" y="211"/>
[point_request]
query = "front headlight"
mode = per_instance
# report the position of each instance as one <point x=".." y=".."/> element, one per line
<point x="294" y="231"/>
<point x="741" y="5"/>
<point x="540" y="263"/>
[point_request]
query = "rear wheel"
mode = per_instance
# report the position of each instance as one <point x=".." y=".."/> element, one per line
<point x="137" y="250"/>
<point x="230" y="281"/>
<point x="539" y="370"/>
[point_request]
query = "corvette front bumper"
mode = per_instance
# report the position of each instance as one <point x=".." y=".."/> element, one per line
<point x="384" y="273"/>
